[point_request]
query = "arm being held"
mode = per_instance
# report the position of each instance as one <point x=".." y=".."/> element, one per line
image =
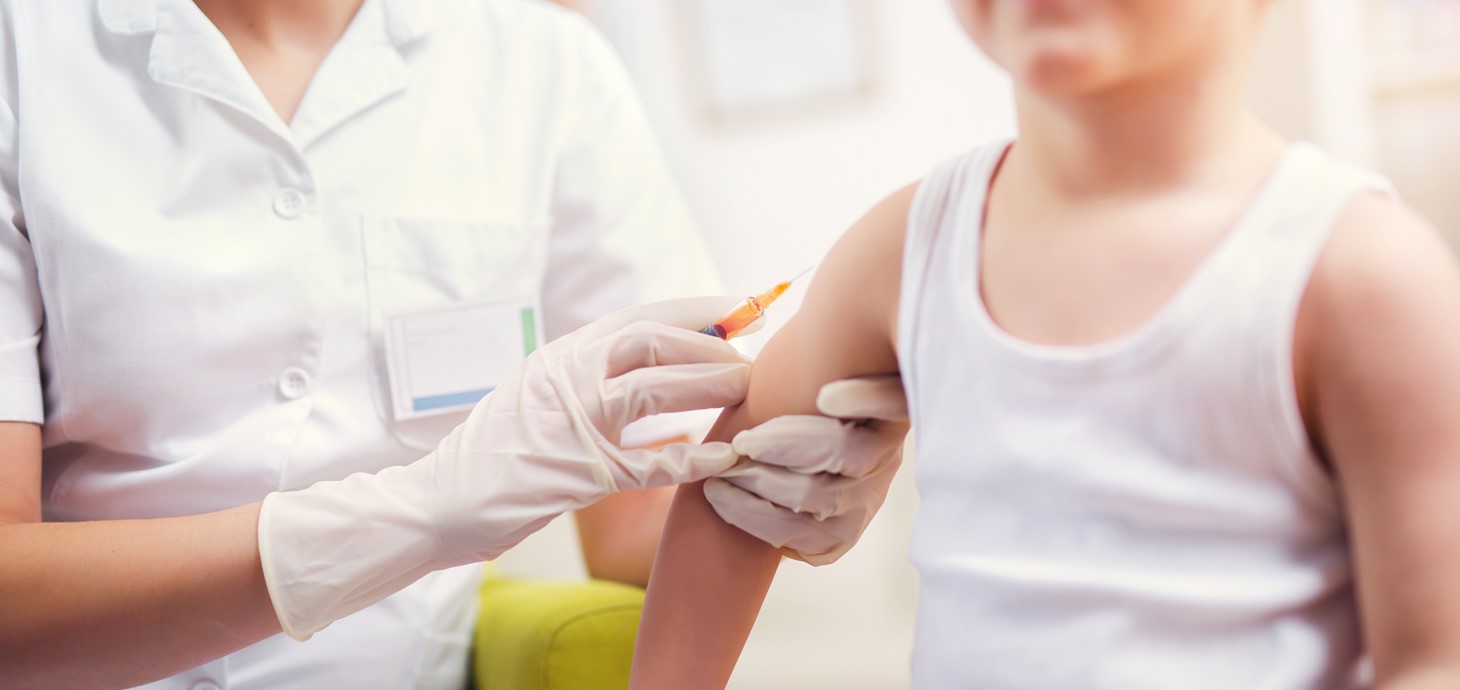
<point x="709" y="577"/>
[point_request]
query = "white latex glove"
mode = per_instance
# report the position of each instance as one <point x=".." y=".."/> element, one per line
<point x="546" y="441"/>
<point x="811" y="484"/>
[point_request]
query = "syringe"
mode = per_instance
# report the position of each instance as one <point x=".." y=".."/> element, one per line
<point x="731" y="324"/>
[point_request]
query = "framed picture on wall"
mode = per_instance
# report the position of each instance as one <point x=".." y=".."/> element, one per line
<point x="751" y="60"/>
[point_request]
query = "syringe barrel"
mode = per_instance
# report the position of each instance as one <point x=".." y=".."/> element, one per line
<point x="742" y="316"/>
<point x="727" y="326"/>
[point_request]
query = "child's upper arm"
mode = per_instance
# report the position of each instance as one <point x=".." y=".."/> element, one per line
<point x="847" y="323"/>
<point x="709" y="578"/>
<point x="1378" y="352"/>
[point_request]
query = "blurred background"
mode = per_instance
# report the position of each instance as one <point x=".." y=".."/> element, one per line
<point x="786" y="119"/>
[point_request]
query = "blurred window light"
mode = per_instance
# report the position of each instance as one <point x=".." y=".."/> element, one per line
<point x="1416" y="44"/>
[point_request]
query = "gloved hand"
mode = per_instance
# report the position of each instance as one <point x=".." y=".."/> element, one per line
<point x="811" y="484"/>
<point x="544" y="442"/>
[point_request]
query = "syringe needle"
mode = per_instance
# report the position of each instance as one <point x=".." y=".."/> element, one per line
<point x="803" y="272"/>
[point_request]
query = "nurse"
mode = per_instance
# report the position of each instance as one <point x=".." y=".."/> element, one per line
<point x="257" y="261"/>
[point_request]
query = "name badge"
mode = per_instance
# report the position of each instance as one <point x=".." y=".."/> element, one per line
<point x="445" y="360"/>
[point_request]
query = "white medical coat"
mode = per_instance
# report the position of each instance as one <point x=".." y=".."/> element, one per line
<point x="192" y="290"/>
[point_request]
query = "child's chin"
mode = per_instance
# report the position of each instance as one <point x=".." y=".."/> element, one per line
<point x="1060" y="74"/>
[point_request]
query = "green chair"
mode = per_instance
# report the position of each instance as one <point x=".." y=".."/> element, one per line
<point x="534" y="635"/>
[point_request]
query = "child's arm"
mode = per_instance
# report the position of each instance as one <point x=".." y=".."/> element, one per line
<point x="709" y="578"/>
<point x="1377" y="360"/>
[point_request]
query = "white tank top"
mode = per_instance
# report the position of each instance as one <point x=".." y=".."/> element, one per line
<point x="1141" y="513"/>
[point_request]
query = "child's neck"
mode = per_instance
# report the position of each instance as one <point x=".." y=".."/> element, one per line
<point x="1141" y="137"/>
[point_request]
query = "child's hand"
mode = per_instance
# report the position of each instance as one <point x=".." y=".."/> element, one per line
<point x="812" y="484"/>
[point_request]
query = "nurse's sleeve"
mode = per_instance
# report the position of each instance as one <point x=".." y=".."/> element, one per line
<point x="621" y="234"/>
<point x="20" y="300"/>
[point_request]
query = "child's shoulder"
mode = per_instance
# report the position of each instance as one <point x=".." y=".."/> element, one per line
<point x="1377" y="318"/>
<point x="1381" y="257"/>
<point x="884" y="227"/>
<point x="860" y="279"/>
<point x="862" y="274"/>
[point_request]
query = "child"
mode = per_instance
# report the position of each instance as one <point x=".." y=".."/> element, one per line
<point x="1185" y="394"/>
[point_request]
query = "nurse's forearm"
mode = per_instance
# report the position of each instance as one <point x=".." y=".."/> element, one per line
<point x="119" y="603"/>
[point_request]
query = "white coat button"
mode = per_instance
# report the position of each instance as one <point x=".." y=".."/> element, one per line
<point x="289" y="203"/>
<point x="206" y="685"/>
<point x="293" y="383"/>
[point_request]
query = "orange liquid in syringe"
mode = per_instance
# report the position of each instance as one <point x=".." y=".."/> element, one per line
<point x="751" y="309"/>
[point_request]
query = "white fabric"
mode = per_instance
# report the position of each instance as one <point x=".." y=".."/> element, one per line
<point x="1142" y="513"/>
<point x="188" y="248"/>
<point x="811" y="484"/>
<point x="545" y="442"/>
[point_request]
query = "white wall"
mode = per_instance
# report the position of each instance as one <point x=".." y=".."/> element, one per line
<point x="771" y="198"/>
<point x="1418" y="144"/>
<point x="1279" y="89"/>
